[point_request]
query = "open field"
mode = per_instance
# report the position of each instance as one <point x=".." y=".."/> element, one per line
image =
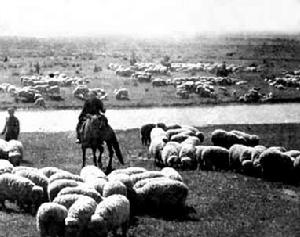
<point x="222" y="203"/>
<point x="78" y="57"/>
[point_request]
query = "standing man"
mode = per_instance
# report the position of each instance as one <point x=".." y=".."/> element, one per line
<point x="12" y="126"/>
<point x="92" y="106"/>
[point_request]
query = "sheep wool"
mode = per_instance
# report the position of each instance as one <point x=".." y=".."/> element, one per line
<point x="19" y="168"/>
<point x="36" y="177"/>
<point x="79" y="215"/>
<point x="123" y="178"/>
<point x="215" y="158"/>
<point x="5" y="167"/>
<point x="171" y="173"/>
<point x="81" y="190"/>
<point x="50" y="219"/>
<point x="160" y="194"/>
<point x="55" y="187"/>
<point x="112" y="213"/>
<point x="114" y="187"/>
<point x="96" y="183"/>
<point x="49" y="171"/>
<point x="170" y="154"/>
<point x="91" y="171"/>
<point x="17" y="188"/>
<point x="148" y="174"/>
<point x="67" y="200"/>
<point x="65" y="175"/>
<point x="129" y="170"/>
<point x="188" y="150"/>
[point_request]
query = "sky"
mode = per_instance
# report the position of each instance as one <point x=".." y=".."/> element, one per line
<point x="65" y="18"/>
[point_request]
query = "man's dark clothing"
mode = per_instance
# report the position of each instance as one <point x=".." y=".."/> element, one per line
<point x="94" y="106"/>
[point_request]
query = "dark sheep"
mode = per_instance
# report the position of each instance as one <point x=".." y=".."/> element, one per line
<point x="215" y="158"/>
<point x="275" y="165"/>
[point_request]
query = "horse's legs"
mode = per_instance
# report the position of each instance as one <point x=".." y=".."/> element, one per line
<point x="95" y="157"/>
<point x="111" y="153"/>
<point x="83" y="156"/>
<point x="101" y="149"/>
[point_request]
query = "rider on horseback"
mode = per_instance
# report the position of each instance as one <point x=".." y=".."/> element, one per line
<point x="92" y="106"/>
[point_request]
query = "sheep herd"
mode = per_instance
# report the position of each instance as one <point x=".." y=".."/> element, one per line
<point x="181" y="147"/>
<point x="89" y="203"/>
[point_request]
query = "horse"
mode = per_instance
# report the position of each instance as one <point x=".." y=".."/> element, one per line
<point x="95" y="132"/>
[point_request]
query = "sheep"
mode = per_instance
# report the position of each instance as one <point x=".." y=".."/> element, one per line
<point x="274" y="165"/>
<point x="96" y="183"/>
<point x="91" y="171"/>
<point x="251" y="140"/>
<point x="155" y="148"/>
<point x="36" y="177"/>
<point x="187" y="163"/>
<point x="157" y="133"/>
<point x="160" y="194"/>
<point x="50" y="220"/>
<point x="15" y="152"/>
<point x="129" y="170"/>
<point x="82" y="190"/>
<point x="65" y="175"/>
<point x="111" y="214"/>
<point x="190" y="128"/>
<point x="67" y="200"/>
<point x="227" y="139"/>
<point x="49" y="171"/>
<point x="195" y="141"/>
<point x="180" y="137"/>
<point x="5" y="167"/>
<point x="20" y="189"/>
<point x="198" y="154"/>
<point x="3" y="149"/>
<point x="173" y="126"/>
<point x="27" y="168"/>
<point x="188" y="151"/>
<point x="278" y="148"/>
<point x="114" y="187"/>
<point x="56" y="186"/>
<point x="238" y="153"/>
<point x="171" y="173"/>
<point x="79" y="215"/>
<point x="148" y="174"/>
<point x="293" y="153"/>
<point x="122" y="177"/>
<point x="146" y="129"/>
<point x="170" y="154"/>
<point x="215" y="158"/>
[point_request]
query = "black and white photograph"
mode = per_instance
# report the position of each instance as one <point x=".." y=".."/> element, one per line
<point x="150" y="118"/>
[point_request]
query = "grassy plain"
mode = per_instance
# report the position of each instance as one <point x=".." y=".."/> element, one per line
<point x="220" y="203"/>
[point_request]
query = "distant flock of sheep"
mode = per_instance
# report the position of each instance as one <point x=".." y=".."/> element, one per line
<point x="91" y="203"/>
<point x="181" y="147"/>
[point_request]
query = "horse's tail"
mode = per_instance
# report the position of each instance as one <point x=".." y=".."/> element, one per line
<point x="116" y="147"/>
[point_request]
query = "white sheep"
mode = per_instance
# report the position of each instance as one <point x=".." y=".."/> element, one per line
<point x="50" y="219"/>
<point x="156" y="147"/>
<point x="158" y="133"/>
<point x="19" y="168"/>
<point x="36" y="177"/>
<point x="79" y="215"/>
<point x="67" y="200"/>
<point x="65" y="175"/>
<point x="159" y="194"/>
<point x="111" y="214"/>
<point x="96" y="183"/>
<point x="171" y="173"/>
<point x="114" y="187"/>
<point x="129" y="170"/>
<point x="91" y="171"/>
<point x="121" y="177"/>
<point x="15" y="152"/>
<point x="5" y="167"/>
<point x="22" y="190"/>
<point x="49" y="171"/>
<point x="170" y="154"/>
<point x="148" y="174"/>
<point x="55" y="187"/>
<point x="82" y="190"/>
